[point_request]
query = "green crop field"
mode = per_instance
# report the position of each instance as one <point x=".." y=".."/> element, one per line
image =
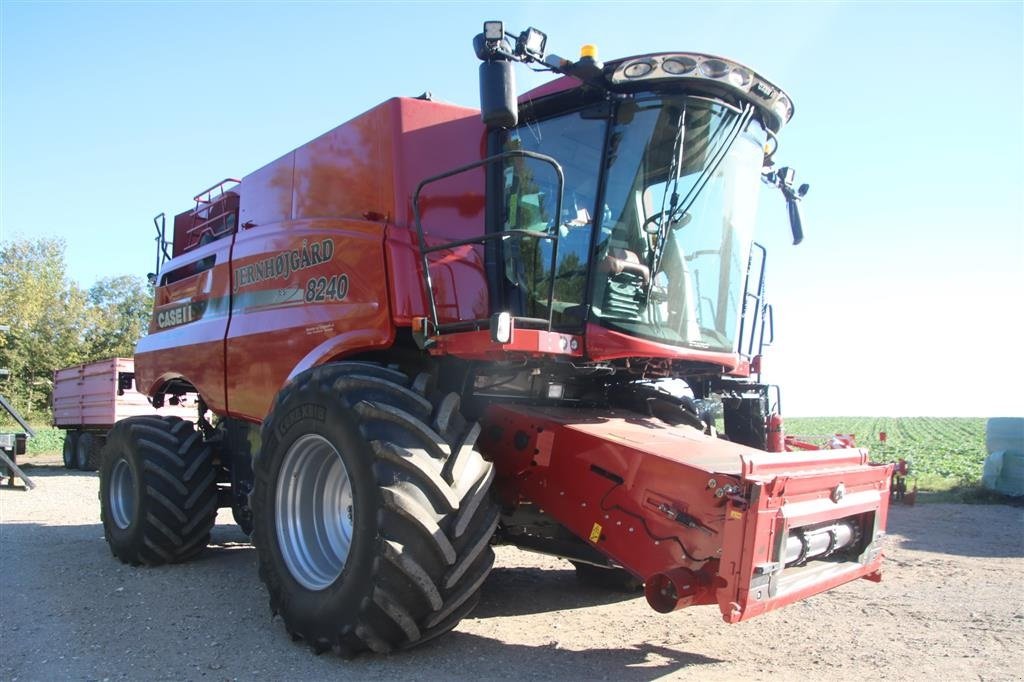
<point x="949" y="448"/>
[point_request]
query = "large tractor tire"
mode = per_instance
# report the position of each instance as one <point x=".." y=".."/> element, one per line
<point x="372" y="511"/>
<point x="158" y="491"/>
<point x="70" y="449"/>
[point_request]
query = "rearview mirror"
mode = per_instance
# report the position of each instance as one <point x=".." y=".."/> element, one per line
<point x="783" y="179"/>
<point x="795" y="224"/>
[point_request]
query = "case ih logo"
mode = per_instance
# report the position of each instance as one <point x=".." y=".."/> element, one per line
<point x="763" y="90"/>
<point x="285" y="263"/>
<point x="180" y="314"/>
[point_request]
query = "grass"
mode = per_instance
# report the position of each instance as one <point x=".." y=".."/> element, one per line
<point x="47" y="441"/>
<point x="946" y="455"/>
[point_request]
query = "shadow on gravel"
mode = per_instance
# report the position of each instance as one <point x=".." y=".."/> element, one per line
<point x="548" y="661"/>
<point x="36" y="470"/>
<point x="984" y="531"/>
<point x="549" y="590"/>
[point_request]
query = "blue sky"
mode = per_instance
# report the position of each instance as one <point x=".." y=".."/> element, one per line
<point x="905" y="298"/>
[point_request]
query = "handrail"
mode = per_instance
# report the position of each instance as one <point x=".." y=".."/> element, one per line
<point x="425" y="250"/>
<point x="200" y="227"/>
<point x="160" y="222"/>
<point x="209" y="190"/>
<point x="758" y="299"/>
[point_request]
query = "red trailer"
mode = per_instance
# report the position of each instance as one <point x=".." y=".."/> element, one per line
<point x="89" y="398"/>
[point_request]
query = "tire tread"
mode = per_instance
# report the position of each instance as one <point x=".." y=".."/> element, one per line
<point x="434" y="520"/>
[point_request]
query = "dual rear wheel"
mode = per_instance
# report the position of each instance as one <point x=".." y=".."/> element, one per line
<point x="82" y="450"/>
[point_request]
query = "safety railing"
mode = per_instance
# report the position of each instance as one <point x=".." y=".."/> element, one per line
<point x="485" y="239"/>
<point x="162" y="254"/>
<point x="206" y="223"/>
<point x="759" y="315"/>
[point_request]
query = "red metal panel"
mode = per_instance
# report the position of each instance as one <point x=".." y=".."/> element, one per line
<point x="430" y="138"/>
<point x="477" y="345"/>
<point x="305" y="291"/>
<point x="405" y="273"/>
<point x="190" y="317"/>
<point x="345" y="173"/>
<point x="696" y="517"/>
<point x="792" y="490"/>
<point x="612" y="477"/>
<point x="605" y="344"/>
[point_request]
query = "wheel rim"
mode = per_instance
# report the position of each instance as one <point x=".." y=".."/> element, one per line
<point x="313" y="511"/>
<point x="122" y="494"/>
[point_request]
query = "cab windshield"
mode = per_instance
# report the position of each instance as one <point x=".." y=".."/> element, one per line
<point x="682" y="181"/>
<point x="664" y="247"/>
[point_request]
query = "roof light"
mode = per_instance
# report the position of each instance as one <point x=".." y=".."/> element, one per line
<point x="494" y="30"/>
<point x="740" y="77"/>
<point x="677" y="66"/>
<point x="588" y="50"/>
<point x="722" y="73"/>
<point x="782" y="108"/>
<point x="638" y="69"/>
<point x="714" y="68"/>
<point x="532" y="42"/>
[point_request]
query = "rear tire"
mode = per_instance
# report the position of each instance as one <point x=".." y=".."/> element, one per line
<point x="70" y="449"/>
<point x="158" y="490"/>
<point x="397" y="545"/>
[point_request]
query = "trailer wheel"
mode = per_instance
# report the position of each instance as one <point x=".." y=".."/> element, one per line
<point x="70" y="449"/>
<point x="372" y="510"/>
<point x="87" y="451"/>
<point x="95" y="458"/>
<point x="615" y="579"/>
<point x="158" y="490"/>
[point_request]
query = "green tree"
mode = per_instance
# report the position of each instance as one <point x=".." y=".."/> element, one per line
<point x="54" y="323"/>
<point x="47" y="314"/>
<point x="119" y="311"/>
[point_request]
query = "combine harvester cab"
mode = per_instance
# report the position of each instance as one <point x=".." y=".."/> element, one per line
<point x="700" y="519"/>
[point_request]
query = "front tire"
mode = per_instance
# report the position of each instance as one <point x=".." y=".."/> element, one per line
<point x="158" y="490"/>
<point x="372" y="511"/>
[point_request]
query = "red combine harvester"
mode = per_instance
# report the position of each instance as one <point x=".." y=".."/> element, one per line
<point x="422" y="334"/>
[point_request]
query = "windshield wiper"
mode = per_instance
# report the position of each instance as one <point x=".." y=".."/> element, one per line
<point x="677" y="211"/>
<point x="664" y="216"/>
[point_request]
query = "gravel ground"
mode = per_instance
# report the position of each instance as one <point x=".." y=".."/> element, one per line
<point x="950" y="606"/>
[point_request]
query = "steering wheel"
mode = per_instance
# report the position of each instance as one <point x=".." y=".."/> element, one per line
<point x="675" y="224"/>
